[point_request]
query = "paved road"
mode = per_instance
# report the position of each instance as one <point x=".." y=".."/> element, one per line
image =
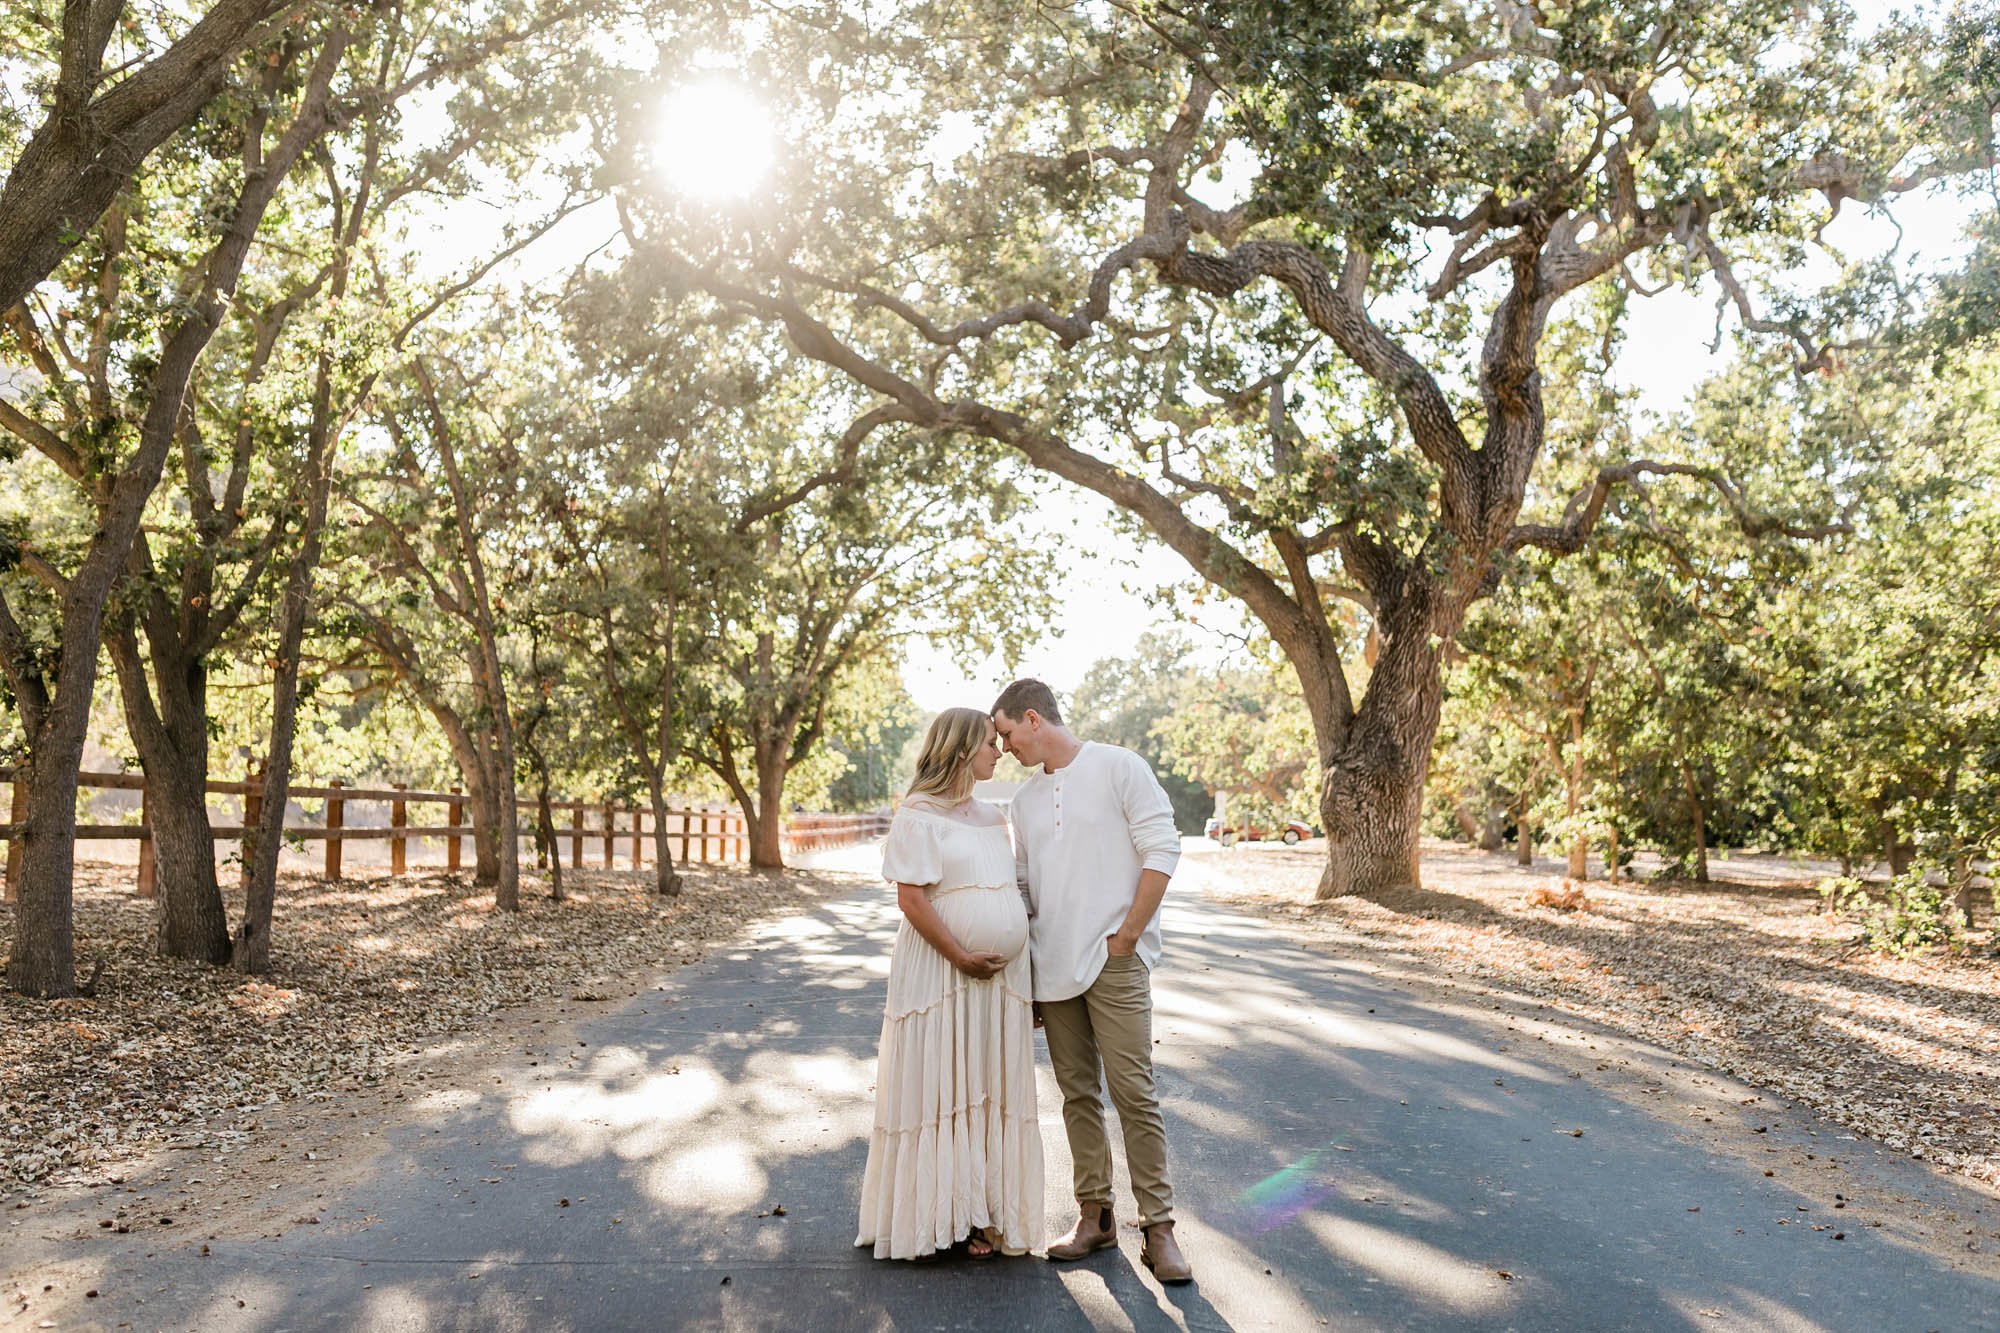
<point x="1351" y="1150"/>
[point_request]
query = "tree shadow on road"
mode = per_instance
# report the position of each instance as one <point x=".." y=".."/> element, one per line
<point x="1347" y="1153"/>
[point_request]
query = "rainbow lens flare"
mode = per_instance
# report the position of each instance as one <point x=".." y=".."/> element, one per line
<point x="1278" y="1199"/>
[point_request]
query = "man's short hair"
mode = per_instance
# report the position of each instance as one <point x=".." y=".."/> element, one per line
<point x="1018" y="698"/>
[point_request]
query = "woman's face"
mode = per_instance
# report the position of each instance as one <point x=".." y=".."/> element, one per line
<point x="987" y="755"/>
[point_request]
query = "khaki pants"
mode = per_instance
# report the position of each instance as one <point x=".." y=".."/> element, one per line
<point x="1111" y="1025"/>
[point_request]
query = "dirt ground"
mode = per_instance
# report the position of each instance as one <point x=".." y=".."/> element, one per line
<point x="1744" y="974"/>
<point x="372" y="976"/>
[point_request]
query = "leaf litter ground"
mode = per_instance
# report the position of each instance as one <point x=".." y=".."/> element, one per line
<point x="369" y="974"/>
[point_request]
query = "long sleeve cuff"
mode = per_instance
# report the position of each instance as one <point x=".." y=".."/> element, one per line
<point x="1163" y="861"/>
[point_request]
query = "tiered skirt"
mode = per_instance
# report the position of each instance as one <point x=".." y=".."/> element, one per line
<point x="956" y="1145"/>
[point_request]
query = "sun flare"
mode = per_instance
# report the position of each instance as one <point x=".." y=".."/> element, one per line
<point x="714" y="140"/>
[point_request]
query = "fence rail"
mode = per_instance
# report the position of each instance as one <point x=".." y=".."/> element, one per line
<point x="696" y="834"/>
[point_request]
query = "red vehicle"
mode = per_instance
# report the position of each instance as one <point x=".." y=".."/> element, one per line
<point x="1291" y="832"/>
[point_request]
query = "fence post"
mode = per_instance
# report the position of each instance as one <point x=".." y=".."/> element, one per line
<point x="638" y="836"/>
<point x="685" y="824"/>
<point x="336" y="818"/>
<point x="610" y="840"/>
<point x="576" y="834"/>
<point x="455" y="816"/>
<point x="17" y="817"/>
<point x="399" y="817"/>
<point x="148" y="877"/>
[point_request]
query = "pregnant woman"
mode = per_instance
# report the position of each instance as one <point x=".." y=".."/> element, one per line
<point x="955" y="1160"/>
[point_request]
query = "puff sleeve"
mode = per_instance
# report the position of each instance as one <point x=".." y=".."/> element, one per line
<point x="912" y="854"/>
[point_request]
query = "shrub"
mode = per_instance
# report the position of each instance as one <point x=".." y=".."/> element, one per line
<point x="1913" y="914"/>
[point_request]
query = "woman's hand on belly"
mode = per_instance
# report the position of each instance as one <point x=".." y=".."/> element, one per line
<point x="980" y="966"/>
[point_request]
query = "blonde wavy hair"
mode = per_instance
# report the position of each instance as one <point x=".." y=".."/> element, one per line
<point x="944" y="765"/>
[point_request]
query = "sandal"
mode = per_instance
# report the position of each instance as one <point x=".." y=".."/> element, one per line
<point x="981" y="1244"/>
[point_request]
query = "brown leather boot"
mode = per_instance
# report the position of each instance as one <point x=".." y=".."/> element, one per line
<point x="1162" y="1254"/>
<point x="1095" y="1230"/>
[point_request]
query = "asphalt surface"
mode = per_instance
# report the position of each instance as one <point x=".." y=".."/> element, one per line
<point x="1352" y="1149"/>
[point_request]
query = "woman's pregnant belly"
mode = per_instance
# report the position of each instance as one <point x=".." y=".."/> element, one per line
<point x="986" y="920"/>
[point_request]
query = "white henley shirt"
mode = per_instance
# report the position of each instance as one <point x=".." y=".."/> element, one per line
<point x="1082" y="834"/>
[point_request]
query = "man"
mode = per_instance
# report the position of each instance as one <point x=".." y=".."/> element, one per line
<point x="1094" y="846"/>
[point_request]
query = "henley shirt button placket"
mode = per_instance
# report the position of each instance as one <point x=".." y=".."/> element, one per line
<point x="1058" y="803"/>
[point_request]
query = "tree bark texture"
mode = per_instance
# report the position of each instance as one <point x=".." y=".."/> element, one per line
<point x="547" y="854"/>
<point x="666" y="879"/>
<point x="1575" y="779"/>
<point x="1897" y="851"/>
<point x="1698" y="816"/>
<point x="482" y="790"/>
<point x="1371" y="797"/>
<point x="44" y="957"/>
<point x="545" y="830"/>
<point x="172" y="741"/>
<point x="98" y="132"/>
<point x="767" y="820"/>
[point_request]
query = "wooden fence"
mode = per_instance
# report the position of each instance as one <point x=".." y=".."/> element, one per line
<point x="696" y="835"/>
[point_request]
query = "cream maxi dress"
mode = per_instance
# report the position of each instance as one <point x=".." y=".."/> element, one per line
<point x="956" y="1144"/>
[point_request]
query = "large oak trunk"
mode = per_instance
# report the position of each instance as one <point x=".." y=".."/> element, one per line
<point x="43" y="962"/>
<point x="1897" y="853"/>
<point x="767" y="843"/>
<point x="1371" y="827"/>
<point x="1371" y="799"/>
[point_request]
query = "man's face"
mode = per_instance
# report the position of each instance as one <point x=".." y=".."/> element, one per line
<point x="987" y="755"/>
<point x="1021" y="737"/>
